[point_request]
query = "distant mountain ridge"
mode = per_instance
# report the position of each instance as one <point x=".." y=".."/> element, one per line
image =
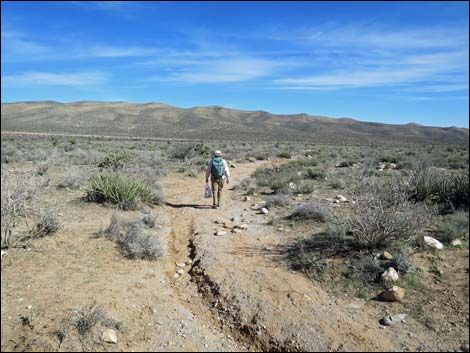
<point x="160" y="120"/>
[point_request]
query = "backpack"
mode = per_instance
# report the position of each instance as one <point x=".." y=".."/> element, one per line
<point x="217" y="170"/>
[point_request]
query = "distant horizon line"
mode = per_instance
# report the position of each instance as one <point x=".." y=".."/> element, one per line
<point x="220" y="106"/>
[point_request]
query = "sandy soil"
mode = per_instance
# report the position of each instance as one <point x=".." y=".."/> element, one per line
<point x="234" y="294"/>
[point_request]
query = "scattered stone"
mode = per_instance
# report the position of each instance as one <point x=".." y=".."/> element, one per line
<point x="232" y="166"/>
<point x="176" y="275"/>
<point x="219" y="221"/>
<point x="180" y="264"/>
<point x="229" y="225"/>
<point x="60" y="214"/>
<point x="29" y="307"/>
<point x="393" y="166"/>
<point x="386" y="255"/>
<point x="244" y="227"/>
<point x="180" y="271"/>
<point x="433" y="242"/>
<point x="390" y="275"/>
<point x="280" y="229"/>
<point x="236" y="230"/>
<point x="395" y="294"/>
<point x="392" y="319"/>
<point x="247" y="198"/>
<point x="220" y="233"/>
<point x="341" y="198"/>
<point x="264" y="210"/>
<point x="109" y="335"/>
<point x="4" y="253"/>
<point x="456" y="242"/>
<point x="464" y="347"/>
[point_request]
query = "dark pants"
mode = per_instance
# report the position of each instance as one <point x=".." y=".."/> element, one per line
<point x="217" y="185"/>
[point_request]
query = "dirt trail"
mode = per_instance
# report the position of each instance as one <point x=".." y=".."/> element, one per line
<point x="231" y="296"/>
<point x="251" y="296"/>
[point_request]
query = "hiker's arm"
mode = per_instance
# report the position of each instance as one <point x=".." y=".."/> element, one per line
<point x="227" y="170"/>
<point x="208" y="171"/>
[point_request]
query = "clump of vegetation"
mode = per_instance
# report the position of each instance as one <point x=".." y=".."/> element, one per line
<point x="132" y="239"/>
<point x="448" y="189"/>
<point x="126" y="193"/>
<point x="48" y="223"/>
<point x="454" y="227"/>
<point x="285" y="154"/>
<point x="312" y="211"/>
<point x="114" y="160"/>
<point x="72" y="178"/>
<point x="382" y="216"/>
<point x="277" y="200"/>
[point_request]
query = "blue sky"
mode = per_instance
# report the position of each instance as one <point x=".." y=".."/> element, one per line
<point x="392" y="62"/>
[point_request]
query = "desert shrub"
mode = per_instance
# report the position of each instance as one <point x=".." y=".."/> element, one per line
<point x="182" y="151"/>
<point x="136" y="244"/>
<point x="114" y="160"/>
<point x="72" y="178"/>
<point x="402" y="264"/>
<point x="285" y="154"/>
<point x="47" y="224"/>
<point x="315" y="173"/>
<point x="382" y="216"/>
<point x="368" y="269"/>
<point x="125" y="193"/>
<point x="305" y="187"/>
<point x="277" y="200"/>
<point x="18" y="203"/>
<point x="10" y="154"/>
<point x="448" y="189"/>
<point x="312" y="211"/>
<point x="86" y="319"/>
<point x="337" y="183"/>
<point x="455" y="227"/>
<point x="42" y="169"/>
<point x="86" y="157"/>
<point x="345" y="164"/>
<point x="248" y="184"/>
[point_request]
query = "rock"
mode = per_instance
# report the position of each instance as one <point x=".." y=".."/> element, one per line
<point x="180" y="264"/>
<point x="433" y="242"/>
<point x="456" y="242"/>
<point x="390" y="275"/>
<point x="341" y="198"/>
<point x="464" y="347"/>
<point x="229" y="225"/>
<point x="236" y="230"/>
<point x="395" y="294"/>
<point x="392" y="319"/>
<point x="232" y="166"/>
<point x="176" y="275"/>
<point x="244" y="226"/>
<point x="180" y="271"/>
<point x="393" y="166"/>
<point x="255" y="207"/>
<point x="247" y="198"/>
<point x="220" y="233"/>
<point x="386" y="255"/>
<point x="109" y="335"/>
<point x="264" y="210"/>
<point x="219" y="221"/>
<point x="3" y="253"/>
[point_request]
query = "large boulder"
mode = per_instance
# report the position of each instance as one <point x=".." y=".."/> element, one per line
<point x="394" y="294"/>
<point x="430" y="241"/>
<point x="390" y="275"/>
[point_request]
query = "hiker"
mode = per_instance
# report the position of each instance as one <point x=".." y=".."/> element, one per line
<point x="219" y="172"/>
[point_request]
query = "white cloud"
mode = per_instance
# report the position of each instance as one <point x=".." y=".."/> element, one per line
<point x="55" y="79"/>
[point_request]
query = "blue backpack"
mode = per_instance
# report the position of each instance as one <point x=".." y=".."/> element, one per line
<point x="217" y="167"/>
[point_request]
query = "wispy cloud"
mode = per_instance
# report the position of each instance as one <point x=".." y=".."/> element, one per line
<point x="77" y="79"/>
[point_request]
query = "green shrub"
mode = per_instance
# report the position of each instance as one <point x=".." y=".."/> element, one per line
<point x="114" y="160"/>
<point x="285" y="154"/>
<point x="315" y="173"/>
<point x="448" y="189"/>
<point x="312" y="211"/>
<point x="125" y="193"/>
<point x="455" y="227"/>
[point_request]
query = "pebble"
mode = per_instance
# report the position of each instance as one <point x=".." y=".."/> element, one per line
<point x="180" y="264"/>
<point x="176" y="275"/>
<point x="220" y="233"/>
<point x="110" y="336"/>
<point x="264" y="210"/>
<point x="180" y="271"/>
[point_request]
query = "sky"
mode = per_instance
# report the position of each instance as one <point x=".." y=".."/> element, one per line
<point x="391" y="62"/>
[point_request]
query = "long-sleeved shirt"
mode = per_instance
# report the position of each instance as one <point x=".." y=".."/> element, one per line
<point x="226" y="173"/>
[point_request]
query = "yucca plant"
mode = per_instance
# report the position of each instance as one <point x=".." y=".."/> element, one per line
<point x="124" y="192"/>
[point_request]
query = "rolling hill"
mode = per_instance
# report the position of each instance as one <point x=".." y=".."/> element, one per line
<point x="158" y="120"/>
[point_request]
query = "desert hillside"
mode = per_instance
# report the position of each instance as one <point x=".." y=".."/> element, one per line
<point x="164" y="121"/>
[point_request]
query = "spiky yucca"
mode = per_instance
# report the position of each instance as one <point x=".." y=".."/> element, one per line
<point x="124" y="192"/>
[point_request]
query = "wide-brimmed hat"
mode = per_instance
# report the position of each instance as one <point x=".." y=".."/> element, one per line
<point x="218" y="153"/>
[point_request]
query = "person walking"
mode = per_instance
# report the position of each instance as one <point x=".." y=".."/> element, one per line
<point x="219" y="172"/>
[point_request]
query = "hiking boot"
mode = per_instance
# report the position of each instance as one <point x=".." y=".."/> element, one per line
<point x="214" y="207"/>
